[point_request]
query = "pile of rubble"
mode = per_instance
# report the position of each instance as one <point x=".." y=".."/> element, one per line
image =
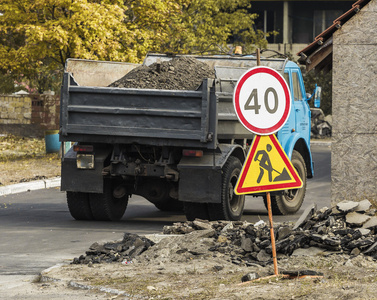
<point x="349" y="228"/>
<point x="131" y="246"/>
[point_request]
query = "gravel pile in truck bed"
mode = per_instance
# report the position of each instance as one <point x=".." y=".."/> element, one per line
<point x="180" y="73"/>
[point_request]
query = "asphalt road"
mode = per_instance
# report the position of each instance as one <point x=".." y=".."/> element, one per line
<point x="37" y="230"/>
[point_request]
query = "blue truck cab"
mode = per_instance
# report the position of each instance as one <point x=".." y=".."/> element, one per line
<point x="297" y="126"/>
<point x="294" y="137"/>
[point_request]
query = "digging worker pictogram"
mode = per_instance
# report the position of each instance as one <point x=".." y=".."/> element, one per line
<point x="265" y="164"/>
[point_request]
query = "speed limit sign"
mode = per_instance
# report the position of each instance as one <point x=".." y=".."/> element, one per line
<point x="262" y="100"/>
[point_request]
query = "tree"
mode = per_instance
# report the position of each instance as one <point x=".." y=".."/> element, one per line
<point x="36" y="37"/>
<point x="209" y="25"/>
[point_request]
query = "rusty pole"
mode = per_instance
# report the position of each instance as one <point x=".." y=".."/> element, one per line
<point x="276" y="272"/>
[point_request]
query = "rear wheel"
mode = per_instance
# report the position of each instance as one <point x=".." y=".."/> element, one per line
<point x="290" y="201"/>
<point x="78" y="205"/>
<point x="105" y="207"/>
<point x="232" y="205"/>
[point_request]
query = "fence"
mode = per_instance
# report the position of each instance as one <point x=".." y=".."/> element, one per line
<point x="29" y="115"/>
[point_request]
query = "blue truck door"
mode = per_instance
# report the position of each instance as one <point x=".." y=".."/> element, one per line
<point x="300" y="106"/>
<point x="285" y="132"/>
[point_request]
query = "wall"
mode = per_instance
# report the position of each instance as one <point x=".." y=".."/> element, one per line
<point x="354" y="147"/>
<point x="28" y="115"/>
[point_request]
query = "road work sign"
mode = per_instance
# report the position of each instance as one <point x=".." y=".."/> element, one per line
<point x="267" y="168"/>
<point x="262" y="100"/>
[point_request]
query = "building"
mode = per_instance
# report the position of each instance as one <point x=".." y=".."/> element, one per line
<point x="349" y="48"/>
<point x="297" y="22"/>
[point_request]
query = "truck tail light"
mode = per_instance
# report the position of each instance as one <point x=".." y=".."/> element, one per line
<point x="192" y="153"/>
<point x="83" y="148"/>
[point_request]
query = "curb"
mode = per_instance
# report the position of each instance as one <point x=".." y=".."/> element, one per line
<point x="320" y="143"/>
<point x="29" y="186"/>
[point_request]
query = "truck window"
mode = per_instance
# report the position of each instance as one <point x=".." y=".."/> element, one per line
<point x="286" y="77"/>
<point x="297" y="94"/>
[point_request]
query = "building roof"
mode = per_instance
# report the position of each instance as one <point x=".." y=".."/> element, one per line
<point x="318" y="54"/>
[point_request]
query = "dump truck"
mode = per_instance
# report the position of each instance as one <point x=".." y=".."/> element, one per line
<point x="179" y="149"/>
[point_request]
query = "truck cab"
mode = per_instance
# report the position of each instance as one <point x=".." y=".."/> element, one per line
<point x="294" y="137"/>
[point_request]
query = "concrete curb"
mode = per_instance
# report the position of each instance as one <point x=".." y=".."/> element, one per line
<point x="30" y="186"/>
<point x="320" y="143"/>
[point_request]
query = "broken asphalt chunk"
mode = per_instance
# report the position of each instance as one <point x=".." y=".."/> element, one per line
<point x="356" y="219"/>
<point x="347" y="206"/>
<point x="305" y="216"/>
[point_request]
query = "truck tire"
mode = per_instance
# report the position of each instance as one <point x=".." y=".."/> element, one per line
<point x="194" y="210"/>
<point x="290" y="201"/>
<point x="232" y="205"/>
<point x="105" y="207"/>
<point x="78" y="205"/>
<point x="169" y="204"/>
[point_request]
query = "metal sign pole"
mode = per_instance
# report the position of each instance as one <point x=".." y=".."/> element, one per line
<point x="276" y="272"/>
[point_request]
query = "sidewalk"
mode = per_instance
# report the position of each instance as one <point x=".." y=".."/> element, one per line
<point x="29" y="186"/>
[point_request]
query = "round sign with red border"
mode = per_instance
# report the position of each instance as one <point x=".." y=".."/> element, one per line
<point x="262" y="100"/>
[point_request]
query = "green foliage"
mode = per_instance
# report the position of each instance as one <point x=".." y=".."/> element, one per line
<point x="7" y="84"/>
<point x="206" y="26"/>
<point x="324" y="80"/>
<point x="37" y="37"/>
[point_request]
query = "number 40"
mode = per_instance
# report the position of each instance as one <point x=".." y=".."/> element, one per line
<point x="256" y="106"/>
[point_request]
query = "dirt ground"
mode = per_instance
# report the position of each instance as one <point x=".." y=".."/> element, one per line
<point x="25" y="159"/>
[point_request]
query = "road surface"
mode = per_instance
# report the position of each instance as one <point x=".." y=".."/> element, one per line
<point x="37" y="230"/>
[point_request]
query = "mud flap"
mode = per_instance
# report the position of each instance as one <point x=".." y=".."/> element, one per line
<point x="79" y="180"/>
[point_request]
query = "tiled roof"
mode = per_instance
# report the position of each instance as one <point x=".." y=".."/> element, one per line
<point x="324" y="39"/>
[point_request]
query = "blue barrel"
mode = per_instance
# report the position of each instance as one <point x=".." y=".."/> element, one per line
<point x="52" y="141"/>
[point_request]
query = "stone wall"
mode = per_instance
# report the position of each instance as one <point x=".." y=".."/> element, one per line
<point x="29" y="115"/>
<point x="354" y="147"/>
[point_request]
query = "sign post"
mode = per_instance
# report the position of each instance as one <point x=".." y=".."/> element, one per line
<point x="262" y="102"/>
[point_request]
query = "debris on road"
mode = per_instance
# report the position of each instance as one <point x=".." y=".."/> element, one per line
<point x="124" y="251"/>
<point x="349" y="228"/>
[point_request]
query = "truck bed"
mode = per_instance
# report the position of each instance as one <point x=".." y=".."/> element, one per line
<point x="120" y="115"/>
<point x="98" y="114"/>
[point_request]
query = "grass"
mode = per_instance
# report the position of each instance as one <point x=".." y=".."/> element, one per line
<point x="15" y="147"/>
<point x="25" y="159"/>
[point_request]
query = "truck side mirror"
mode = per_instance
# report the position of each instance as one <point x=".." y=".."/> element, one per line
<point x="317" y="96"/>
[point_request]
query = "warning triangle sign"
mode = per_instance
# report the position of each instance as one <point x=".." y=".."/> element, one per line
<point x="267" y="168"/>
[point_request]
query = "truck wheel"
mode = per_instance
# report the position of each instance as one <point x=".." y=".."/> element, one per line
<point x="290" y="201"/>
<point x="105" y="207"/>
<point x="78" y="205"/>
<point x="195" y="210"/>
<point x="232" y="205"/>
<point x="169" y="204"/>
